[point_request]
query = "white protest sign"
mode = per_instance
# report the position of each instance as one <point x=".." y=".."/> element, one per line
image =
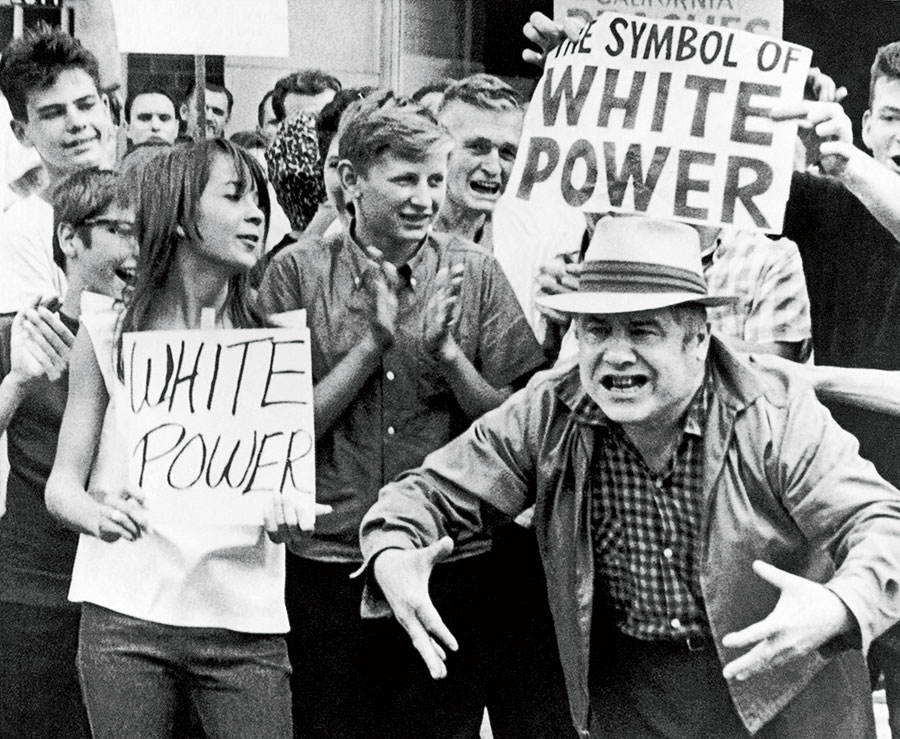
<point x="666" y="118"/>
<point x="226" y="27"/>
<point x="756" y="16"/>
<point x="218" y="419"/>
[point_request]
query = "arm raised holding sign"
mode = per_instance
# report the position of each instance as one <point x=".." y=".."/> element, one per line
<point x="875" y="183"/>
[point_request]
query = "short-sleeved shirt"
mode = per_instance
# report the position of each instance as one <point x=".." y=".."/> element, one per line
<point x="26" y="255"/>
<point x="36" y="552"/>
<point x="767" y="276"/>
<point x="405" y="409"/>
<point x="852" y="268"/>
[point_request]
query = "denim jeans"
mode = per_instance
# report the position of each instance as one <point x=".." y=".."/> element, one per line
<point x="134" y="673"/>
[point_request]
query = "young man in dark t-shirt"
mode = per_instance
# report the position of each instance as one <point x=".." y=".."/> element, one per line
<point x="39" y="692"/>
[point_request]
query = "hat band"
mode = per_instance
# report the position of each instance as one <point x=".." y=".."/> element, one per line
<point x="639" y="277"/>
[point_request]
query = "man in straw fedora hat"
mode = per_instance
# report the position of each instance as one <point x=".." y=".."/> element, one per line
<point x="718" y="556"/>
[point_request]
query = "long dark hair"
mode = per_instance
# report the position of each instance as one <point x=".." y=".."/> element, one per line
<point x="166" y="217"/>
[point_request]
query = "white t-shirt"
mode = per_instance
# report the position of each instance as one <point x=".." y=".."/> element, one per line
<point x="179" y="573"/>
<point x="26" y="255"/>
<point x="527" y="234"/>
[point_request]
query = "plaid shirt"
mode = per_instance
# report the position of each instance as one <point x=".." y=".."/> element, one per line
<point x="767" y="276"/>
<point x="646" y="529"/>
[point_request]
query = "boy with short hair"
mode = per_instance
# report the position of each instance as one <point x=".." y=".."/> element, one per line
<point x="51" y="83"/>
<point x="39" y="692"/>
<point x="414" y="334"/>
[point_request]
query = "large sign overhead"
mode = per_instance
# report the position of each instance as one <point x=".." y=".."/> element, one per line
<point x="224" y="27"/>
<point x="667" y="118"/>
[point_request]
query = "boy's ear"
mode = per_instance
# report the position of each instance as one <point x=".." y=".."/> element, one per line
<point x="18" y="129"/>
<point x="866" y="127"/>
<point x="349" y="178"/>
<point x="69" y="240"/>
<point x="183" y="111"/>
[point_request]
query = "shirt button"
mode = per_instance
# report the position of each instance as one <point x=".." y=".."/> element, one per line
<point x="676" y="624"/>
<point x="667" y="553"/>
<point x="659" y="484"/>
<point x="391" y="430"/>
<point x="389" y="375"/>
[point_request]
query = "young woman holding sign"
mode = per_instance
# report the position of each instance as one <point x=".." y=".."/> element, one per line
<point x="179" y="610"/>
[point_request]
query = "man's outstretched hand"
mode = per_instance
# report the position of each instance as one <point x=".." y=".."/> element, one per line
<point x="403" y="577"/>
<point x="806" y="616"/>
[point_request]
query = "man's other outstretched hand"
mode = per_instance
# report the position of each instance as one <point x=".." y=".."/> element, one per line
<point x="403" y="576"/>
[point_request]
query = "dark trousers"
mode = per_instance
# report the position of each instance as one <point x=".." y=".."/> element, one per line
<point x="357" y="678"/>
<point x="526" y="696"/>
<point x="884" y="660"/>
<point x="654" y="690"/>
<point x="39" y="693"/>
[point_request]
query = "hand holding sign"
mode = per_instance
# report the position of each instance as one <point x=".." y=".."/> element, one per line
<point x="121" y="517"/>
<point x="825" y="130"/>
<point x="547" y="34"/>
<point x="559" y="275"/>
<point x="290" y="516"/>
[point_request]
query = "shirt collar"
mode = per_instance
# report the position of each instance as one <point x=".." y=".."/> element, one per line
<point x="411" y="272"/>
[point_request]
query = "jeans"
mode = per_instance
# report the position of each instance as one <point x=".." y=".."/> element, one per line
<point x="39" y="693"/>
<point x="134" y="673"/>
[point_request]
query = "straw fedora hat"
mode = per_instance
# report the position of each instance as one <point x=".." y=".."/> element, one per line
<point x="635" y="263"/>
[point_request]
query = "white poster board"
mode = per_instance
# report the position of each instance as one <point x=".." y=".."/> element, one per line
<point x="666" y="118"/>
<point x="755" y="16"/>
<point x="225" y="27"/>
<point x="216" y="420"/>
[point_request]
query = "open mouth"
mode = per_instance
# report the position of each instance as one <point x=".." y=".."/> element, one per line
<point x="80" y="143"/>
<point x="126" y="274"/>
<point x="483" y="187"/>
<point x="623" y="383"/>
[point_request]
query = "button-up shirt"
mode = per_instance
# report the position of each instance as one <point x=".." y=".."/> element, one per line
<point x="406" y="408"/>
<point x="646" y="528"/>
<point x="767" y="276"/>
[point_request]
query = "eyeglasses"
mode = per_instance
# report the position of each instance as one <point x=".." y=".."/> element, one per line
<point x="124" y="229"/>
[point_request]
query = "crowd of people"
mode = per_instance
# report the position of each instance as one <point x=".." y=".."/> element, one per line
<point x="571" y="469"/>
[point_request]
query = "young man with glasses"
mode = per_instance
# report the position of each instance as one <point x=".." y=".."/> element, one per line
<point x="95" y="246"/>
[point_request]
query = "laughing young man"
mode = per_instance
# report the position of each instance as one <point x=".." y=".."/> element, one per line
<point x="414" y="334"/>
<point x="39" y="693"/>
<point x="51" y="83"/>
<point x="484" y="116"/>
<point x="718" y="555"/>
